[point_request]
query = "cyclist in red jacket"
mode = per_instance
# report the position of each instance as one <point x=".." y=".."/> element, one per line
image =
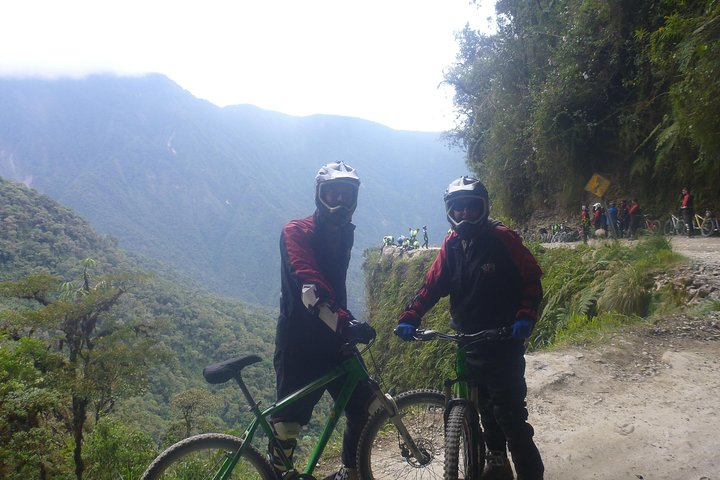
<point x="687" y="208"/>
<point x="493" y="281"/>
<point x="314" y="322"/>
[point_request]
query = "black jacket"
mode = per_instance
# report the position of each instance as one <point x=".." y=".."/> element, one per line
<point x="492" y="280"/>
<point x="309" y="255"/>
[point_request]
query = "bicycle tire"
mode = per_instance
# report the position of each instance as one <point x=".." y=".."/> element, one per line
<point x="464" y="445"/>
<point x="707" y="227"/>
<point x="669" y="228"/>
<point x="199" y="457"/>
<point x="381" y="453"/>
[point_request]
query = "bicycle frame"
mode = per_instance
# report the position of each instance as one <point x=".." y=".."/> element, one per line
<point x="355" y="372"/>
<point x="461" y="386"/>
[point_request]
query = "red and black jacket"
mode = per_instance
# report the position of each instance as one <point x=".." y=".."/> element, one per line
<point x="492" y="281"/>
<point x="310" y="254"/>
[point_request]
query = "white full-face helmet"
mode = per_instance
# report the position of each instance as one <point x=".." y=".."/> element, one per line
<point x="339" y="181"/>
<point x="463" y="189"/>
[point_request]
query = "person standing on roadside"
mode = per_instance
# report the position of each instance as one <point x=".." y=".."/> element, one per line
<point x="623" y="218"/>
<point x="688" y="211"/>
<point x="314" y="322"/>
<point x="585" y="222"/>
<point x="635" y="217"/>
<point x="493" y="281"/>
<point x="612" y="219"/>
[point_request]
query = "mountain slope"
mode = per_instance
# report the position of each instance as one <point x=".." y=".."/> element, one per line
<point x="40" y="236"/>
<point x="207" y="189"/>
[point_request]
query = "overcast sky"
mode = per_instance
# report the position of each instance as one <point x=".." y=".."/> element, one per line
<point x="381" y="60"/>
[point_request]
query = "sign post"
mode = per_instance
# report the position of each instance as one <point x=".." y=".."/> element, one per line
<point x="598" y="185"/>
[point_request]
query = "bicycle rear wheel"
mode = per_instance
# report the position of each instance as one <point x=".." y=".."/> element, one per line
<point x="464" y="445"/>
<point x="201" y="456"/>
<point x="669" y="227"/>
<point x="382" y="453"/>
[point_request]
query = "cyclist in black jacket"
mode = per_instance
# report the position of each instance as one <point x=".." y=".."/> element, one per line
<point x="493" y="281"/>
<point x="314" y="321"/>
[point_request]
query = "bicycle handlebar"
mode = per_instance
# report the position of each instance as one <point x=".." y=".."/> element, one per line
<point x="502" y="333"/>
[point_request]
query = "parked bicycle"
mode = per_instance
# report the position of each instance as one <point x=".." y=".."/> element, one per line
<point x="710" y="224"/>
<point x="404" y="438"/>
<point x="464" y="443"/>
<point x="650" y="224"/>
<point x="674" y="226"/>
<point x="707" y="225"/>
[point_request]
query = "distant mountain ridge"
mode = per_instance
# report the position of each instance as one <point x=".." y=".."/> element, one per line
<point x="207" y="189"/>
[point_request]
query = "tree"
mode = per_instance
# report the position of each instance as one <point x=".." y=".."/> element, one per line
<point x="104" y="357"/>
<point x="567" y="88"/>
<point x="192" y="407"/>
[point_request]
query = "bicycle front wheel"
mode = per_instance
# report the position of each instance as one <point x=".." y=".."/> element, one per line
<point x="382" y="453"/>
<point x="202" y="456"/>
<point x="707" y="227"/>
<point x="464" y="445"/>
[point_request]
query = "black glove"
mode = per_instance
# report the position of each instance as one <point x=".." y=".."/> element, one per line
<point x="359" y="331"/>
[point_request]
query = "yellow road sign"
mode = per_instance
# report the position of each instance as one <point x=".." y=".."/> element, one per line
<point x="597" y="185"/>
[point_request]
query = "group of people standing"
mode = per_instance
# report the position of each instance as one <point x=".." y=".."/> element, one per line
<point x="620" y="220"/>
<point x="491" y="278"/>
<point x="408" y="242"/>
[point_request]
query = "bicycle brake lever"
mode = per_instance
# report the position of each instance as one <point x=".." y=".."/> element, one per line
<point x="422" y="335"/>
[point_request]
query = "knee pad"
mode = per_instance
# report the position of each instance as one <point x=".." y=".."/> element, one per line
<point x="286" y="430"/>
<point x="286" y="433"/>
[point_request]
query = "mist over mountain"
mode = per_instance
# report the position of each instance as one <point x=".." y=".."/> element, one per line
<point x="208" y="189"/>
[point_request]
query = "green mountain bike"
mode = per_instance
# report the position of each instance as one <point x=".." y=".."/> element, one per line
<point x="403" y="439"/>
<point x="464" y="455"/>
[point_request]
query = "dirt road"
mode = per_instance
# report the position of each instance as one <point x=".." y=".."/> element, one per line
<point x="645" y="405"/>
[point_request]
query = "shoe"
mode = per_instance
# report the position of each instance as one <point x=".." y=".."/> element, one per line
<point x="497" y="467"/>
<point x="345" y="473"/>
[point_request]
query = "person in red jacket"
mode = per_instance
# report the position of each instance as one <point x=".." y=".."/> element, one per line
<point x="493" y="281"/>
<point x="314" y="321"/>
<point x="687" y="208"/>
<point x="635" y="217"/>
<point x="585" y="222"/>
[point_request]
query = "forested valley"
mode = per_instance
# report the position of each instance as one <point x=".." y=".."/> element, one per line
<point x="100" y="359"/>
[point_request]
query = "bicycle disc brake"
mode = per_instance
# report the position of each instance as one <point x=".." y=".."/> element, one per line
<point x="416" y="462"/>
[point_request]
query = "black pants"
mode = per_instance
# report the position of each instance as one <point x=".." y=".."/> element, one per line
<point x="295" y="370"/>
<point x="688" y="214"/>
<point x="502" y="392"/>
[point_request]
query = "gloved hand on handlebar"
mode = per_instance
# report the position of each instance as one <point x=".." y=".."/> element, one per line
<point x="406" y="331"/>
<point x="522" y="328"/>
<point x="407" y="325"/>
<point x="361" y="332"/>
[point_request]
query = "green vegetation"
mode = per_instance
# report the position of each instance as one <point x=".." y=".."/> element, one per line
<point x="588" y="291"/>
<point x="98" y="358"/>
<point x="628" y="89"/>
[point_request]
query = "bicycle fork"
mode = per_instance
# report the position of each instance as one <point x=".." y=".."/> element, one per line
<point x="386" y="402"/>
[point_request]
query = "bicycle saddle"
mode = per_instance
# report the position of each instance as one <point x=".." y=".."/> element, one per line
<point x="224" y="371"/>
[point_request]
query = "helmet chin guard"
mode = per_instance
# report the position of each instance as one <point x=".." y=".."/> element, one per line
<point x="467" y="188"/>
<point x="340" y="175"/>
